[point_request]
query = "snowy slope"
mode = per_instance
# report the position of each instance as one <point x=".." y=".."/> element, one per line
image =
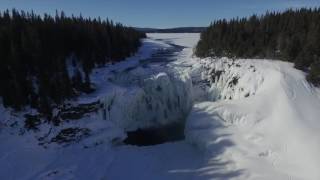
<point x="265" y="126"/>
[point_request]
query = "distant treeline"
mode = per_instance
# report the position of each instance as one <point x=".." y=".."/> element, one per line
<point x="173" y="30"/>
<point x="293" y="35"/>
<point x="36" y="53"/>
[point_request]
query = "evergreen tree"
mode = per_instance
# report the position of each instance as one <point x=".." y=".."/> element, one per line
<point x="293" y="35"/>
<point x="34" y="51"/>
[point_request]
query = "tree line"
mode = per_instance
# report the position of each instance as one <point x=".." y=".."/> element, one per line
<point x="292" y="35"/>
<point x="36" y="52"/>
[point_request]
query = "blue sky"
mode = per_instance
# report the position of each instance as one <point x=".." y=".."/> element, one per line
<point x="159" y="13"/>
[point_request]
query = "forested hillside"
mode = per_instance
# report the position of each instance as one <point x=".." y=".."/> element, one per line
<point x="293" y="35"/>
<point x="36" y="52"/>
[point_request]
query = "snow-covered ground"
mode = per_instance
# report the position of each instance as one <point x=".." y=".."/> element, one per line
<point x="246" y="119"/>
<point x="265" y="126"/>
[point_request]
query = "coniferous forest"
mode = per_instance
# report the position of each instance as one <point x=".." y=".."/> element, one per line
<point x="293" y="35"/>
<point x="35" y="51"/>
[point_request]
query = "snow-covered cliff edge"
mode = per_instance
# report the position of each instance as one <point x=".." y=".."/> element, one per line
<point x="260" y="120"/>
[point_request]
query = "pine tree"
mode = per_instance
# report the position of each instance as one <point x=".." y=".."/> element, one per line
<point x="34" y="51"/>
<point x="293" y="35"/>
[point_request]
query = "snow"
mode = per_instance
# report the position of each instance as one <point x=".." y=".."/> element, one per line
<point x="271" y="134"/>
<point x="245" y="119"/>
<point x="188" y="40"/>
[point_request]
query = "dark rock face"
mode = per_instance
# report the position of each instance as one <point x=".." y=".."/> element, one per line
<point x="69" y="135"/>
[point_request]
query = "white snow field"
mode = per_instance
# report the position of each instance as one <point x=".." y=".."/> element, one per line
<point x="245" y="119"/>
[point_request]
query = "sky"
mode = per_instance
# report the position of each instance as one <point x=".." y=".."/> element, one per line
<point x="159" y="13"/>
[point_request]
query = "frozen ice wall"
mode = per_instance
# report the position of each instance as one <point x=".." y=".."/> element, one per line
<point x="160" y="99"/>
